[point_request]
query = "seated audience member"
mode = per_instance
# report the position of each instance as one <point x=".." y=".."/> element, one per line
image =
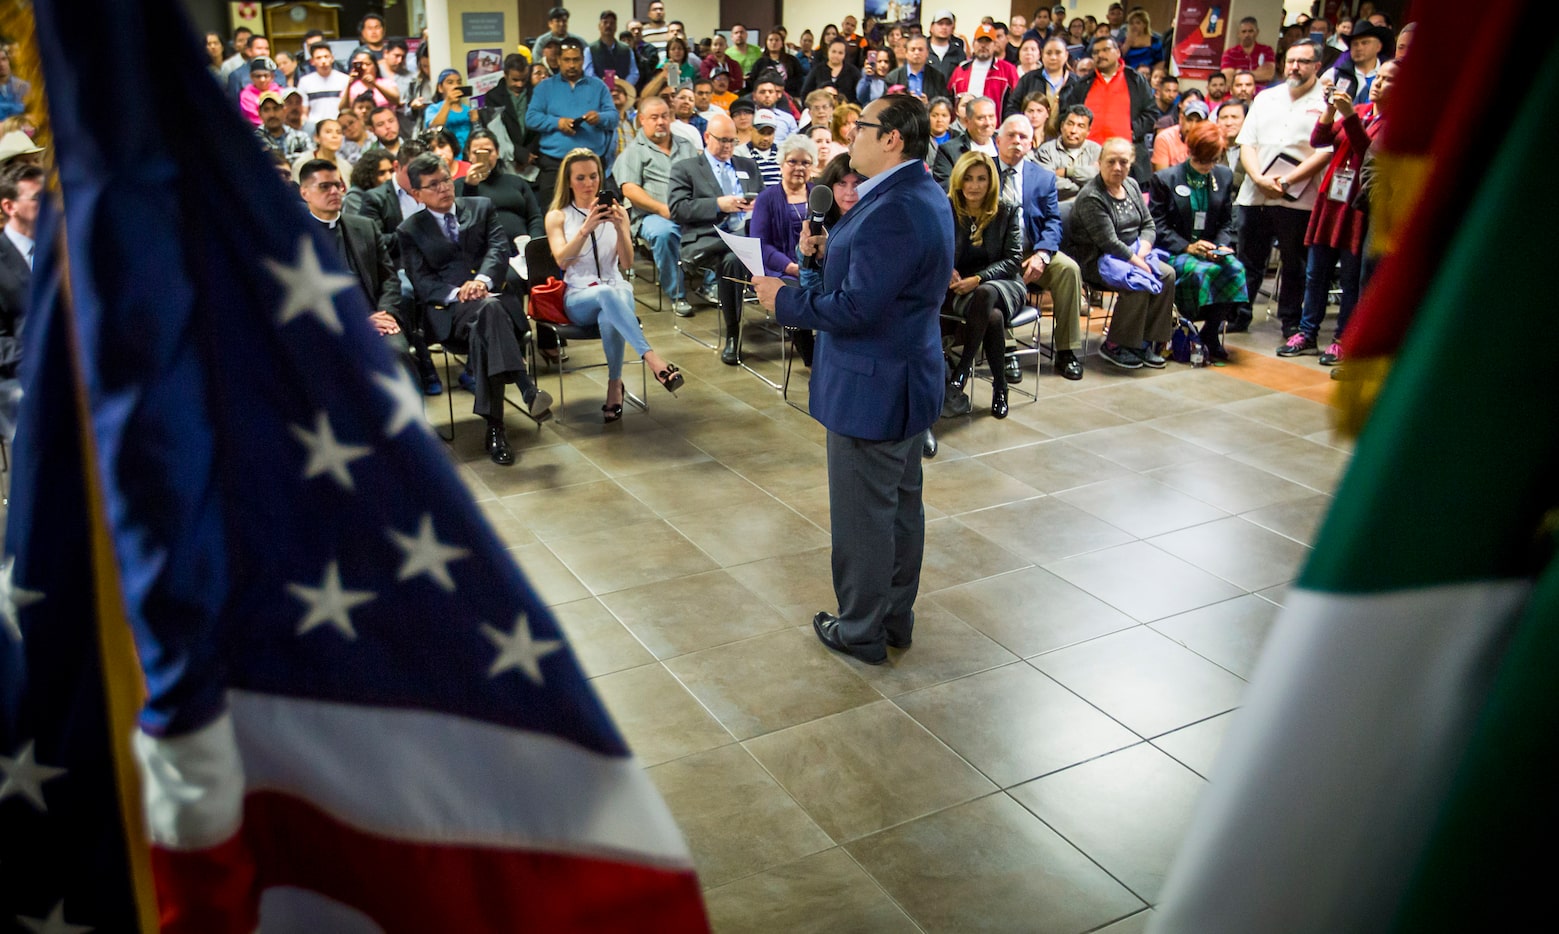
<point x="843" y="124"/>
<point x="720" y="93"/>
<point x="768" y="93"/>
<point x="986" y="289"/>
<point x="775" y="58"/>
<point x="488" y="176"/>
<point x="354" y="136"/>
<point x="940" y="112"/>
<point x="822" y="137"/>
<point x="684" y="110"/>
<point x="835" y="72"/>
<point x="1071" y="155"/>
<point x="778" y="212"/>
<point x="717" y="189"/>
<point x="1337" y="228"/>
<point x="327" y="146"/>
<point x="761" y="148"/>
<point x="1037" y="108"/>
<point x="643" y="172"/>
<point x="985" y="73"/>
<point x="392" y="202"/>
<point x="357" y="244"/>
<point x="979" y="120"/>
<point x="449" y="110"/>
<point x="370" y="172"/>
<point x="278" y="136"/>
<point x="741" y="116"/>
<point x="386" y="129"/>
<point x="570" y="110"/>
<point x="261" y="73"/>
<point x="443" y="144"/>
<point x="1109" y="219"/>
<point x="441" y="245"/>
<point x="1193" y="216"/>
<point x="1169" y="147"/>
<point x="820" y="109"/>
<point x="593" y="245"/>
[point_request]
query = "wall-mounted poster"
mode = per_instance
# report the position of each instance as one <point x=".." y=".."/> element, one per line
<point x="1201" y="26"/>
<point x="484" y="69"/>
<point x="889" y="12"/>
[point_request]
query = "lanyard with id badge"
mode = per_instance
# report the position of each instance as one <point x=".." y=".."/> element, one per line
<point x="1341" y="188"/>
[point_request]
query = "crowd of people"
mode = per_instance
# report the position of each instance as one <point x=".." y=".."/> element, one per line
<point x="1076" y="160"/>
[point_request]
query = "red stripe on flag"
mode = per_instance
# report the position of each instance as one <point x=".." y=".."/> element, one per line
<point x="420" y="887"/>
<point x="207" y="891"/>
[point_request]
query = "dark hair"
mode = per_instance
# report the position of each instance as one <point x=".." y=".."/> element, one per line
<point x="833" y="173"/>
<point x="320" y="45"/>
<point x="249" y="42"/>
<point x="397" y="44"/>
<point x="1216" y="74"/>
<point x="1312" y="45"/>
<point x="1176" y="79"/>
<point x="366" y="17"/>
<point x="605" y="14"/>
<point x="909" y="117"/>
<point x="698" y="81"/>
<point x="437" y="136"/>
<point x="1077" y="110"/>
<point x="1191" y="94"/>
<point x="1099" y="39"/>
<point x="477" y="134"/>
<point x="12" y="177"/>
<point x="421" y="167"/>
<point x="570" y="43"/>
<point x="1233" y="102"/>
<point x="514" y="61"/>
<point x="242" y="29"/>
<point x="380" y="110"/>
<point x="365" y="174"/>
<point x="410" y="150"/>
<point x="313" y="167"/>
<point x="1251" y="20"/>
<point x="769" y="77"/>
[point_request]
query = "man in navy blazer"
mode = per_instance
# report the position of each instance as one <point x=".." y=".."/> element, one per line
<point x="877" y="373"/>
<point x="1024" y="180"/>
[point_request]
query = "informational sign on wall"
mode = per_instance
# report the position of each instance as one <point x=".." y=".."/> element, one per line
<point x="1201" y="26"/>
<point x="481" y="27"/>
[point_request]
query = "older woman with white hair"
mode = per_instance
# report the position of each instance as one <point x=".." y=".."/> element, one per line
<point x="778" y="212"/>
<point x="1110" y="220"/>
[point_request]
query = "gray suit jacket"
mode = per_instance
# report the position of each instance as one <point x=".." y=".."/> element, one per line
<point x="693" y="195"/>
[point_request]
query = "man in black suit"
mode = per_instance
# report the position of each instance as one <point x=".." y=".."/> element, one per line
<point x="392" y="202"/>
<point x="979" y="120"/>
<point x="716" y="189"/>
<point x="916" y="74"/>
<point x="20" y="188"/>
<point x="357" y="243"/>
<point x="456" y="255"/>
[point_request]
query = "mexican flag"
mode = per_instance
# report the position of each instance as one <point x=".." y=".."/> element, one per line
<point x="1392" y="766"/>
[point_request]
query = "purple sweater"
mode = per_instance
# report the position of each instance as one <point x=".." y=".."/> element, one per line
<point x="778" y="227"/>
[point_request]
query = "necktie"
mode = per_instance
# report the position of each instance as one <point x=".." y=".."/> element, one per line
<point x="450" y="230"/>
<point x="1009" y="185"/>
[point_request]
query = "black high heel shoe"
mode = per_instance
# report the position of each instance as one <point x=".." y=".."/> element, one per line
<point x="612" y="413"/>
<point x="999" y="402"/>
<point x="670" y="377"/>
<point x="959" y="380"/>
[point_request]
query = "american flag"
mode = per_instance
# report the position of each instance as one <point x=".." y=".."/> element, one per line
<point x="358" y="714"/>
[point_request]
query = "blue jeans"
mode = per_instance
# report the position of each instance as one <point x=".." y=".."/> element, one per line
<point x="610" y="307"/>
<point x="665" y="240"/>
<point x="1318" y="282"/>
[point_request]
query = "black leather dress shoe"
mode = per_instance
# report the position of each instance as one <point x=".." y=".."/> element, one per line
<point x="928" y="445"/>
<point x="731" y="355"/>
<point x="826" y="625"/>
<point x="1068" y="365"/>
<point x="498" y="446"/>
<point x="999" y="402"/>
<point x="1013" y="371"/>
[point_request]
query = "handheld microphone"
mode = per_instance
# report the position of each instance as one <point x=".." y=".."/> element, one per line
<point x="818" y="203"/>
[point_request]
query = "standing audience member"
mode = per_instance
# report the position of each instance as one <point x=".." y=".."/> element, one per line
<point x="1193" y="213"/>
<point x="1251" y="56"/>
<point x="591" y="242"/>
<point x="363" y="78"/>
<point x="835" y="72"/>
<point x="768" y="93"/>
<point x="1337" y="228"/>
<point x="453" y="111"/>
<point x="643" y="171"/>
<point x="238" y="79"/>
<point x="608" y="54"/>
<point x="557" y="31"/>
<point x="276" y="134"/>
<point x="775" y="58"/>
<point x="984" y="75"/>
<point x="1121" y="101"/>
<point x="1110" y="219"/>
<point x="946" y="49"/>
<point x="918" y="77"/>
<point x="231" y="63"/>
<point x="259" y="74"/>
<point x="456" y="255"/>
<point x="392" y="67"/>
<point x="509" y="99"/>
<point x="322" y="87"/>
<point x="1276" y="153"/>
<point x="1141" y="46"/>
<point x="570" y="110"/>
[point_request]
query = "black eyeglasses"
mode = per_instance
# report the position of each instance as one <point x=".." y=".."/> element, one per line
<point x="725" y="140"/>
<point x="867" y="123"/>
<point x="436" y="184"/>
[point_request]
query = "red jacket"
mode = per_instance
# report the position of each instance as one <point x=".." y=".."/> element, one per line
<point x="999" y="81"/>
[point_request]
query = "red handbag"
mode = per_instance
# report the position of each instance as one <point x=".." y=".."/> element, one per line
<point x="546" y="302"/>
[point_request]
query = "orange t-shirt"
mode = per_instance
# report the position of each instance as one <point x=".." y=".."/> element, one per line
<point x="1110" y="101"/>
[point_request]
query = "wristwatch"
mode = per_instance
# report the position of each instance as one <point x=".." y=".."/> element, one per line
<point x="1283" y="184"/>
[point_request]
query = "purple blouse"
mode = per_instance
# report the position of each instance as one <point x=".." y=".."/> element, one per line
<point x="777" y="225"/>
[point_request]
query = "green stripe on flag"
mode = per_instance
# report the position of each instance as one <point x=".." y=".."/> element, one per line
<point x="1460" y="458"/>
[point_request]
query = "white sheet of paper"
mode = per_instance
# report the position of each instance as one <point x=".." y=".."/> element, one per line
<point x="746" y="249"/>
<point x="517" y="261"/>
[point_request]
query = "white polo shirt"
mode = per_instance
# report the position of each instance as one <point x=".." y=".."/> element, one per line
<point x="1278" y="123"/>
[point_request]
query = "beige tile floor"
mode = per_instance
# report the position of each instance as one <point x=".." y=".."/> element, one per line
<point x="1101" y="570"/>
